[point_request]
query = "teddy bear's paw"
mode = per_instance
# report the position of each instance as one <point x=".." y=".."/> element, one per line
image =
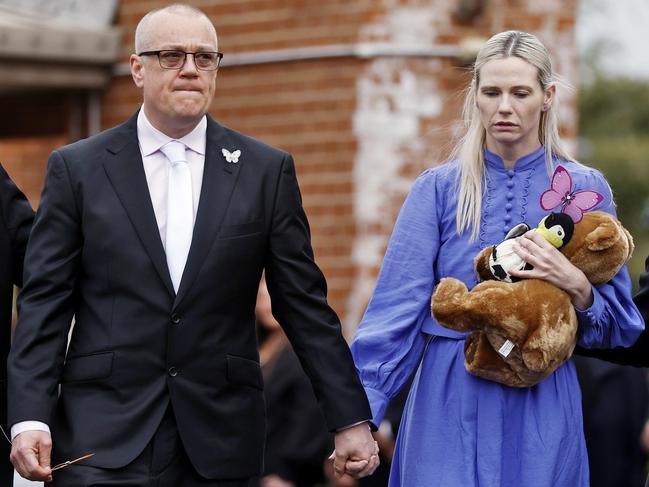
<point x="479" y="354"/>
<point x="482" y="360"/>
<point x="536" y="360"/>
<point x="448" y="305"/>
<point x="449" y="287"/>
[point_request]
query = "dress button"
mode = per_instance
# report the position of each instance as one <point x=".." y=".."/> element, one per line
<point x="508" y="218"/>
<point x="508" y="206"/>
<point x="510" y="173"/>
<point x="175" y="318"/>
<point x="510" y="195"/>
<point x="173" y="371"/>
<point x="506" y="229"/>
<point x="510" y="184"/>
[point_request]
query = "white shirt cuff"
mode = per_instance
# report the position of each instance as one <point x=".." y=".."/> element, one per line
<point x="23" y="426"/>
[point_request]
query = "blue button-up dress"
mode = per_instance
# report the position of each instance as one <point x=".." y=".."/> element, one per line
<point x="459" y="430"/>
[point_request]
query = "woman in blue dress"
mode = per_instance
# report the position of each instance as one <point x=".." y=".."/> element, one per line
<point x="457" y="429"/>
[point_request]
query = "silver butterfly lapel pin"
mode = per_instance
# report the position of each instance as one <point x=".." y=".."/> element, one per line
<point x="231" y="156"/>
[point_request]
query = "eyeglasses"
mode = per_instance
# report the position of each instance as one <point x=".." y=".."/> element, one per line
<point x="172" y="59"/>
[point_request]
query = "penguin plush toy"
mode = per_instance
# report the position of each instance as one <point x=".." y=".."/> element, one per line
<point x="556" y="228"/>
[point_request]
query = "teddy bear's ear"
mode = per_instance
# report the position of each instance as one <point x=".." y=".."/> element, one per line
<point x="604" y="236"/>
<point x="629" y="239"/>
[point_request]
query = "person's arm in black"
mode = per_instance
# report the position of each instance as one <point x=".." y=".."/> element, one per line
<point x="638" y="354"/>
<point x="18" y="216"/>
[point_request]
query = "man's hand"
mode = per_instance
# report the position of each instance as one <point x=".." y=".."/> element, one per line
<point x="30" y="454"/>
<point x="356" y="453"/>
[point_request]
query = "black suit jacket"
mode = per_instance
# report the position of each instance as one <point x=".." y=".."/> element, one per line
<point x="96" y="254"/>
<point x="638" y="354"/>
<point x="15" y="222"/>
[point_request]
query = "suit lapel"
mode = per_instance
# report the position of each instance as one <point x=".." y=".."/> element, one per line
<point x="125" y="171"/>
<point x="219" y="178"/>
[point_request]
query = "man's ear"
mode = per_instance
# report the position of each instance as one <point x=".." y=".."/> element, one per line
<point x="137" y="70"/>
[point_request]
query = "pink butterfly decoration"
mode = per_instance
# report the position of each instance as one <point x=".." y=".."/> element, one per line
<point x="574" y="203"/>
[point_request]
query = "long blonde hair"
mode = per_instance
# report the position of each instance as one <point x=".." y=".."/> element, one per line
<point x="470" y="149"/>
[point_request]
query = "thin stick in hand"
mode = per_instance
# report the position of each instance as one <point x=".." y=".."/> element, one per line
<point x="70" y="462"/>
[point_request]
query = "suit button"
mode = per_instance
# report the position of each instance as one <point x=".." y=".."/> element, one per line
<point x="175" y="318"/>
<point x="173" y="371"/>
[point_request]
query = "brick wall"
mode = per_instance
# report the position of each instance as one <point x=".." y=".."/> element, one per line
<point x="26" y="162"/>
<point x="361" y="126"/>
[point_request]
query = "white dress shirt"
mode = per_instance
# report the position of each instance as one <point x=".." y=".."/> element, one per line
<point x="156" y="169"/>
<point x="156" y="165"/>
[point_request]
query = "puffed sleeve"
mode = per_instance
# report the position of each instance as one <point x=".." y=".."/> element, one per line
<point x="613" y="319"/>
<point x="389" y="343"/>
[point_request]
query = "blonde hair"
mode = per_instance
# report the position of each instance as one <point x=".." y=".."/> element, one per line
<point x="470" y="149"/>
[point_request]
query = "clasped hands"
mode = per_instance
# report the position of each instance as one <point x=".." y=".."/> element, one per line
<point x="356" y="453"/>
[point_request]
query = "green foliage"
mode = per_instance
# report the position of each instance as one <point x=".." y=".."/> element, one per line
<point x="614" y="132"/>
<point x="615" y="106"/>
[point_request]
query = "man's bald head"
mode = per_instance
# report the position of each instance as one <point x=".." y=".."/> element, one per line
<point x="143" y="29"/>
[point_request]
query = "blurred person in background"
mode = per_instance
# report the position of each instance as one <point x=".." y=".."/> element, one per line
<point x="635" y="354"/>
<point x="623" y="438"/>
<point x="153" y="235"/>
<point x="615" y="403"/>
<point x="297" y="440"/>
<point x="16" y="217"/>
<point x="458" y="429"/>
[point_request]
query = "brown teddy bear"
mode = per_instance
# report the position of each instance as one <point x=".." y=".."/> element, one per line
<point x="523" y="331"/>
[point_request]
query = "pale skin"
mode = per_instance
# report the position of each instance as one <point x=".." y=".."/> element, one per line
<point x="175" y="101"/>
<point x="552" y="266"/>
<point x="30" y="455"/>
<point x="356" y="453"/>
<point x="511" y="100"/>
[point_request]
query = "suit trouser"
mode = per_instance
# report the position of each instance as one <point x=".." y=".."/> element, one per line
<point x="163" y="463"/>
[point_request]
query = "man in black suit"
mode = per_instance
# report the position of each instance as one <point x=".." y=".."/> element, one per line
<point x="153" y="235"/>
<point x="15" y="222"/>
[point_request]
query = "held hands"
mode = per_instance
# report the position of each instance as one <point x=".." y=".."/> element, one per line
<point x="30" y="455"/>
<point x="356" y="453"/>
<point x="552" y="266"/>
